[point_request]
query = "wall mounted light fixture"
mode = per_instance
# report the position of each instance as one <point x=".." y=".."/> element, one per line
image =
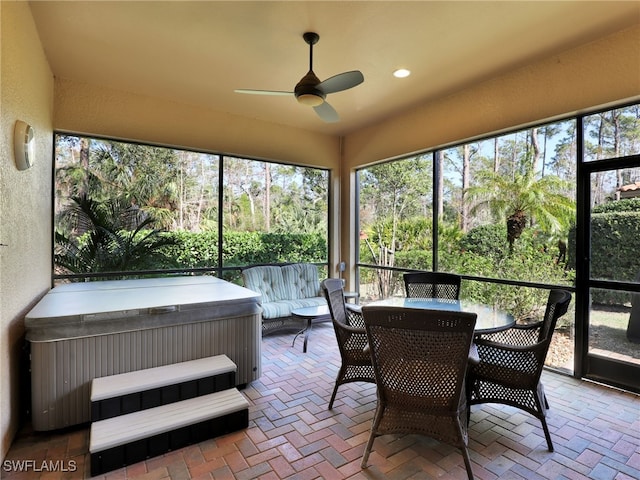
<point x="24" y="145"/>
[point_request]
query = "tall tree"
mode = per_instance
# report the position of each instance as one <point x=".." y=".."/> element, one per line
<point x="466" y="172"/>
<point x="267" y="197"/>
<point x="439" y="183"/>
<point x="390" y="192"/>
<point x="142" y="175"/>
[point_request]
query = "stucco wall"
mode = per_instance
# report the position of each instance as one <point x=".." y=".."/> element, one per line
<point x="25" y="199"/>
<point x="94" y="110"/>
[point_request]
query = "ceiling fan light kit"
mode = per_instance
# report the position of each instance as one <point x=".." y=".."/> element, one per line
<point x="310" y="91"/>
<point x="310" y="99"/>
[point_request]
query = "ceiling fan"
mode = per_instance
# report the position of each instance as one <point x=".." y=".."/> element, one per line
<point x="311" y="91"/>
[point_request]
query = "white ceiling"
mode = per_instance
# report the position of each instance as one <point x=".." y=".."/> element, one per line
<point x="199" y="52"/>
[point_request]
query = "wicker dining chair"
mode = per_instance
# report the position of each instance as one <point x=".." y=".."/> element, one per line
<point x="432" y="285"/>
<point x="511" y="363"/>
<point x="352" y="339"/>
<point x="420" y="359"/>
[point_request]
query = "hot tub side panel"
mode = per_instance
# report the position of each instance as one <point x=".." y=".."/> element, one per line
<point x="62" y="369"/>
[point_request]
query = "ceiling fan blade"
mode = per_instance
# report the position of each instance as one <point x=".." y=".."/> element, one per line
<point x="342" y="81"/>
<point x="327" y="113"/>
<point x="262" y="92"/>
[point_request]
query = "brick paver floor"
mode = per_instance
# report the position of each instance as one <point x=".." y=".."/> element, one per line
<point x="292" y="435"/>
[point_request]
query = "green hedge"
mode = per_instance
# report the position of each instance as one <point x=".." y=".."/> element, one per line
<point x="615" y="243"/>
<point x="624" y="205"/>
<point x="200" y="250"/>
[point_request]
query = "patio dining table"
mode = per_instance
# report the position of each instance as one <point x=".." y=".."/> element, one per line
<point x="490" y="319"/>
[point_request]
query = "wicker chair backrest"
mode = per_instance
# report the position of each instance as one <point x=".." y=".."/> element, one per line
<point x="334" y="293"/>
<point x="557" y="306"/>
<point x="419" y="356"/>
<point x="432" y="285"/>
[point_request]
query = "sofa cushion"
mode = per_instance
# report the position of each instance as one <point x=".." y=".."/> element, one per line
<point x="283" y="308"/>
<point x="267" y="281"/>
<point x="284" y="288"/>
<point x="301" y="281"/>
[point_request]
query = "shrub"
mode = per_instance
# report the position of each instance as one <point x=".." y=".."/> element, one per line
<point x="200" y="250"/>
<point x="615" y="241"/>
<point x="624" y="205"/>
<point x="489" y="240"/>
<point x="530" y="261"/>
<point x="414" y="259"/>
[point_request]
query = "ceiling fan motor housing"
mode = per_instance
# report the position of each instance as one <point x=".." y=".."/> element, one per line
<point x="306" y="90"/>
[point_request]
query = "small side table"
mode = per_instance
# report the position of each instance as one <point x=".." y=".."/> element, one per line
<point x="309" y="314"/>
<point x="352" y="295"/>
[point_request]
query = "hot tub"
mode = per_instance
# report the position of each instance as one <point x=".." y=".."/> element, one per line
<point x="82" y="331"/>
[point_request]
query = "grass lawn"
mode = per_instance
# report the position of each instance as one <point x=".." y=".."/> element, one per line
<point x="608" y="332"/>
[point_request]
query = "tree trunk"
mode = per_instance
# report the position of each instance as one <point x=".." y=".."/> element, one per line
<point x="536" y="150"/>
<point x="464" y="213"/>
<point x="267" y="197"/>
<point x="516" y="223"/>
<point x="440" y="183"/>
<point x="84" y="162"/>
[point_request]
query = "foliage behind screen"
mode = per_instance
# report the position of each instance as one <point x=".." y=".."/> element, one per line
<point x="501" y="207"/>
<point x="170" y="190"/>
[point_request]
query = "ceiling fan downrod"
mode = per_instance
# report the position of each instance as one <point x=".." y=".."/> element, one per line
<point x="305" y="91"/>
<point x="311" y="38"/>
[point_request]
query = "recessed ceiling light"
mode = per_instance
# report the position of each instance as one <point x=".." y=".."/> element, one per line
<point x="402" y="73"/>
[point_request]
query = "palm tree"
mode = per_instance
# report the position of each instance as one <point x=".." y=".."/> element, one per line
<point x="108" y="237"/>
<point x="523" y="199"/>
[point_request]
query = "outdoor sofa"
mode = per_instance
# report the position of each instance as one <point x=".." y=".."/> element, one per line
<point x="284" y="288"/>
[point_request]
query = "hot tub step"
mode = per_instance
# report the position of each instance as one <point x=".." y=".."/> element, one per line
<point x="141" y="389"/>
<point x="128" y="439"/>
